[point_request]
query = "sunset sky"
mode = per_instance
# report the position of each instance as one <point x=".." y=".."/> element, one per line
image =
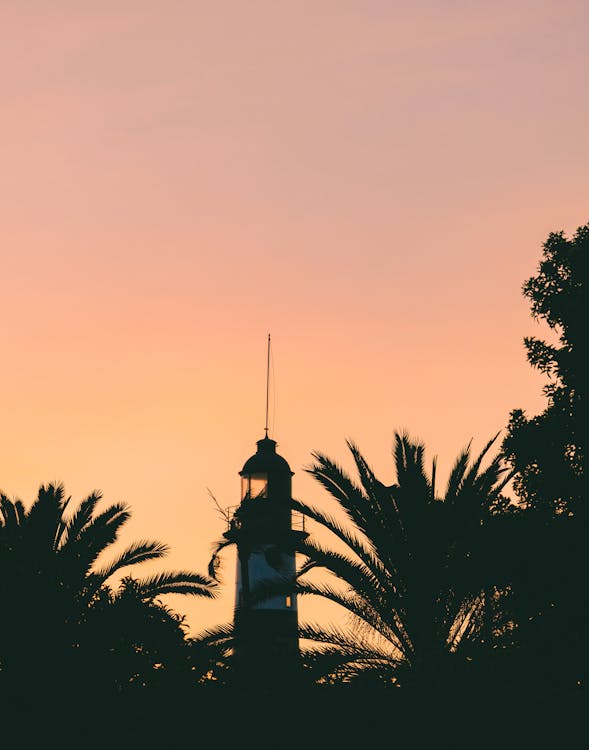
<point x="370" y="182"/>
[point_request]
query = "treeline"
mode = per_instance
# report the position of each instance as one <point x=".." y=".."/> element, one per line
<point x="481" y="584"/>
<point x="477" y="585"/>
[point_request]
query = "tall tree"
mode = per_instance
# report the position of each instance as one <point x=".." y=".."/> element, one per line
<point x="548" y="451"/>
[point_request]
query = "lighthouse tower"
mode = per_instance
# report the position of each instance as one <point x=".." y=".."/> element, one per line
<point x="266" y="628"/>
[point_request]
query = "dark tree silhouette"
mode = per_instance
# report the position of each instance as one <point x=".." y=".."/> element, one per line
<point x="549" y="451"/>
<point x="547" y="545"/>
<point x="63" y="625"/>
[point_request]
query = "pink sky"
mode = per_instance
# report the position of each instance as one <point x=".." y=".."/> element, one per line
<point x="371" y="182"/>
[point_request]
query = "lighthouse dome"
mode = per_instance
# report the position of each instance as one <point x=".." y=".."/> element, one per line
<point x="266" y="460"/>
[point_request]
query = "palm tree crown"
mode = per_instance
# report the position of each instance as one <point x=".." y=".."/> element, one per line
<point x="411" y="565"/>
<point x="58" y="598"/>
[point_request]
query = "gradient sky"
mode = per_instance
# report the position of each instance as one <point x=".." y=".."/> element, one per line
<point x="369" y="181"/>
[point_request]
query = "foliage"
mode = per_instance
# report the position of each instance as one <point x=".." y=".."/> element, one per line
<point x="547" y="549"/>
<point x="548" y="451"/>
<point x="63" y="623"/>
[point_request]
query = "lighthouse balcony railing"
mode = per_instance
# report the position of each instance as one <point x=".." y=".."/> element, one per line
<point x="297" y="519"/>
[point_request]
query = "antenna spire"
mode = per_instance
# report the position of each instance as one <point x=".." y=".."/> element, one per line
<point x="267" y="384"/>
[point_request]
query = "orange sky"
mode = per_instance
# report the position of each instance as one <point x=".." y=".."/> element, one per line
<point x="371" y="182"/>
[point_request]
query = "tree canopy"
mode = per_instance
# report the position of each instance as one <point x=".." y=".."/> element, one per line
<point x="65" y="620"/>
<point x="548" y="451"/>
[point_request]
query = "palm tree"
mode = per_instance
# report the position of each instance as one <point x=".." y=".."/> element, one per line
<point x="409" y="566"/>
<point x="58" y="601"/>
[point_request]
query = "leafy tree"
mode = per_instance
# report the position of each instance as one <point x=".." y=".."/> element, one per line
<point x="549" y="451"/>
<point x="548" y="550"/>
<point x="63" y="624"/>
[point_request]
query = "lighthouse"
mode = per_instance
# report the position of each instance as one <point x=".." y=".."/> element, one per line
<point x="265" y="627"/>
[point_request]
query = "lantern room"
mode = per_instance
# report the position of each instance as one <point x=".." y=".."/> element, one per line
<point x="266" y="475"/>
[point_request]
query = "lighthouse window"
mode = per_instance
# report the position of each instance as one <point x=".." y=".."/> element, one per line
<point x="289" y="601"/>
<point x="254" y="485"/>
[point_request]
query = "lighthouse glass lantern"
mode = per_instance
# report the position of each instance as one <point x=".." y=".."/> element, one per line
<point x="254" y="485"/>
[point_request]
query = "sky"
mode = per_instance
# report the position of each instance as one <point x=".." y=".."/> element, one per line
<point x="370" y="182"/>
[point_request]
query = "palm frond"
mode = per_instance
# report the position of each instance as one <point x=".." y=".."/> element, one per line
<point x="95" y="537"/>
<point x="342" y="639"/>
<point x="12" y="512"/>
<point x="342" y="658"/>
<point x="457" y="475"/>
<point x="215" y="560"/>
<point x="413" y="491"/>
<point x="177" y="582"/>
<point x="139" y="552"/>
<point x="45" y="517"/>
<point x="220" y="633"/>
<point x="335" y="480"/>
<point x="388" y="629"/>
<point x="82" y="517"/>
<point x="383" y="526"/>
<point x="355" y="574"/>
<point x="360" y="548"/>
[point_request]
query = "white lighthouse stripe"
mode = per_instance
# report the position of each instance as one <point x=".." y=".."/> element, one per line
<point x="260" y="570"/>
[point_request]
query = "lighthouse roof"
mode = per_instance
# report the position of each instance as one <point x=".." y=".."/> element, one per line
<point x="265" y="460"/>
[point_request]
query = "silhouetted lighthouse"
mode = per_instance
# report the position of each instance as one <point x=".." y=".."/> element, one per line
<point x="266" y="629"/>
